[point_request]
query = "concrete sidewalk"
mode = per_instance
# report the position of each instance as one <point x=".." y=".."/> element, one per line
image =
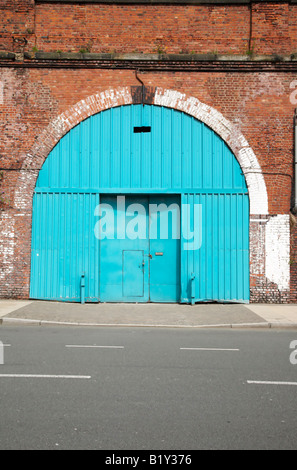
<point x="149" y="315"/>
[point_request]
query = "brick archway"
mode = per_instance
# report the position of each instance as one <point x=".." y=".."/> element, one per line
<point x="157" y="96"/>
<point x="269" y="233"/>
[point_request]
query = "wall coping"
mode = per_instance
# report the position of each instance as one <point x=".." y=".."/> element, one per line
<point x="132" y="56"/>
<point x="135" y="56"/>
<point x="172" y="2"/>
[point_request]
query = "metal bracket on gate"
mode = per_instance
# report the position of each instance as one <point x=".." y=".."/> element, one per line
<point x="193" y="288"/>
<point x="82" y="288"/>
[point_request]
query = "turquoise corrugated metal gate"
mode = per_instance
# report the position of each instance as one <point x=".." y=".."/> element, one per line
<point x="148" y="154"/>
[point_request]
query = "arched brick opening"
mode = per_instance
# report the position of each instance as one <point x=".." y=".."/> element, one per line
<point x="158" y="96"/>
<point x="269" y="278"/>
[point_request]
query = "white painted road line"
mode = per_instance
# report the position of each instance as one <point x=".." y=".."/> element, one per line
<point x="208" y="349"/>
<point x="92" y="346"/>
<point x="264" y="382"/>
<point x="41" y="376"/>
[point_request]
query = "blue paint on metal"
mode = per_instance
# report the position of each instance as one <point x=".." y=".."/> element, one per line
<point x="182" y="159"/>
<point x="133" y="273"/>
<point x="123" y="276"/>
<point x="221" y="264"/>
<point x="138" y="191"/>
<point x="146" y="268"/>
<point x="63" y="247"/>
<point x="164" y="239"/>
<point x="104" y="153"/>
<point x="193" y="296"/>
<point x="83" y="287"/>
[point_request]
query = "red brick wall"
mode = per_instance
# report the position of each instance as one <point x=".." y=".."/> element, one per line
<point x="257" y="103"/>
<point x="150" y="28"/>
<point x="271" y="27"/>
<point x="16" y="24"/>
<point x="230" y="29"/>
<point x="142" y="28"/>
<point x="274" y="28"/>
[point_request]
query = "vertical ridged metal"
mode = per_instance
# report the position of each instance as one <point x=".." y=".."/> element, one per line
<point x="63" y="246"/>
<point x="220" y="264"/>
<point x="103" y="154"/>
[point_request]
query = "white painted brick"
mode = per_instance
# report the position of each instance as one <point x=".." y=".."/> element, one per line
<point x="278" y="251"/>
<point x="257" y="248"/>
<point x="7" y="246"/>
<point x="24" y="194"/>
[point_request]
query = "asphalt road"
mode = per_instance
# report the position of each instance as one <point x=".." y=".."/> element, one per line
<point x="152" y="389"/>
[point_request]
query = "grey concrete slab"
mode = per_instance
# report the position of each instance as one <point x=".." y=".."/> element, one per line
<point x="138" y="314"/>
<point x="282" y="313"/>
<point x="9" y="306"/>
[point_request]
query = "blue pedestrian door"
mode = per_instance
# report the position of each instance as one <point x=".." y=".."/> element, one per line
<point x="139" y="248"/>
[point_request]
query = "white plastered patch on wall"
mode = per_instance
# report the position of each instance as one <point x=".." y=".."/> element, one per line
<point x="7" y="247"/>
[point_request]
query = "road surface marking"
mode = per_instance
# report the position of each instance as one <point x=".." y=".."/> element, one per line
<point x="263" y="382"/>
<point x="42" y="376"/>
<point x="92" y="346"/>
<point x="208" y="349"/>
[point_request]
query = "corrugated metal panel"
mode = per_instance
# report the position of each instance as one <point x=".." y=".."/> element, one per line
<point x="64" y="247"/>
<point x="217" y="268"/>
<point x="105" y="153"/>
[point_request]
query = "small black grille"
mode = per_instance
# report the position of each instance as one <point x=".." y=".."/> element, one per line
<point x="142" y="129"/>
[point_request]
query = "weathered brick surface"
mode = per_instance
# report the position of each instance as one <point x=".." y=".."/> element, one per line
<point x="273" y="25"/>
<point x="16" y="25"/>
<point x="149" y="28"/>
<point x="142" y="28"/>
<point x="251" y="111"/>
